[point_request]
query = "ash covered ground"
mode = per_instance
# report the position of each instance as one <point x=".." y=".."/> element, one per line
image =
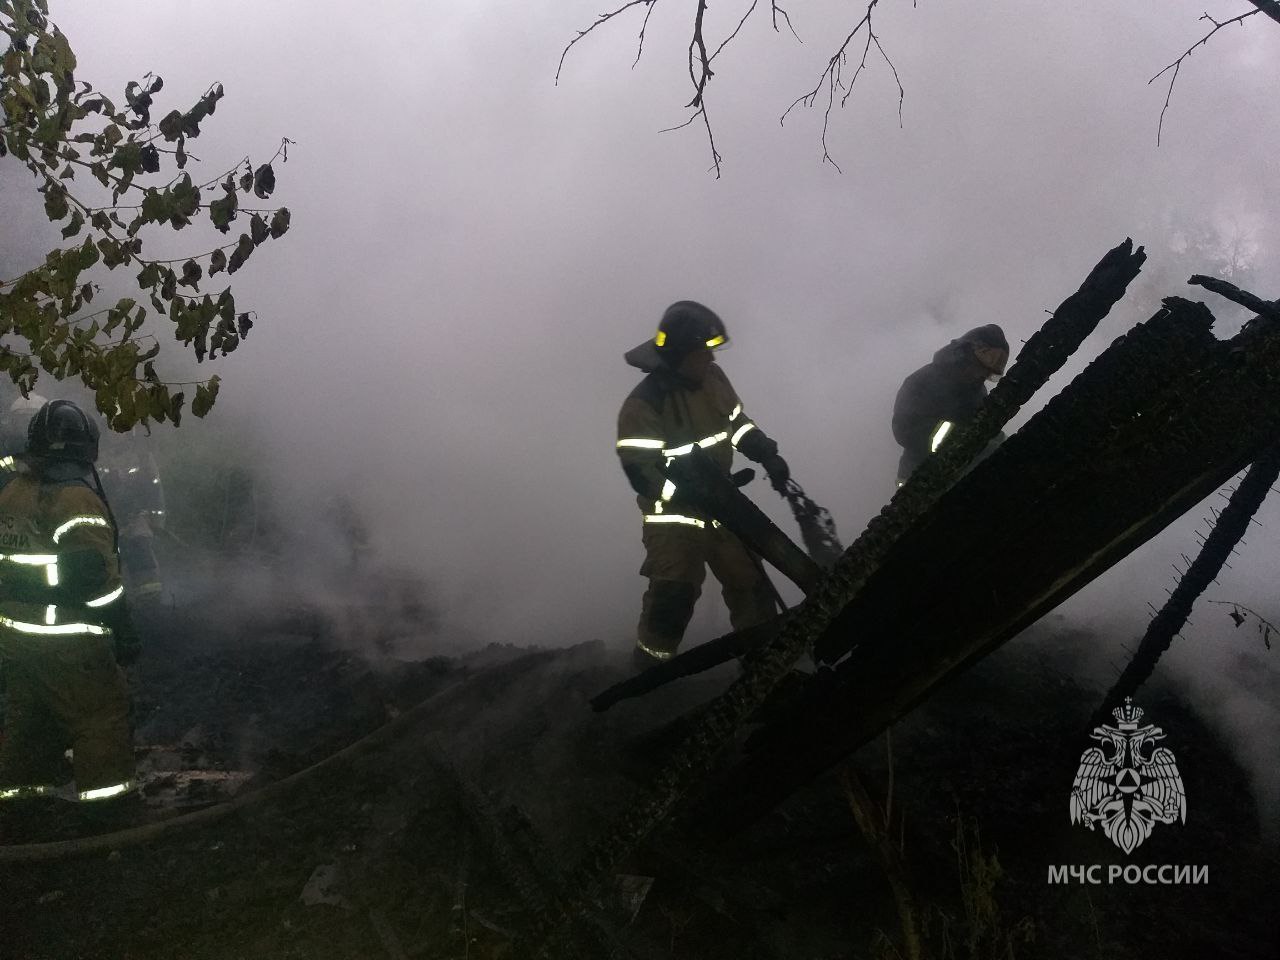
<point x="441" y="840"/>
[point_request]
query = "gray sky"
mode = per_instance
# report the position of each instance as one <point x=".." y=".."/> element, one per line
<point x="474" y="247"/>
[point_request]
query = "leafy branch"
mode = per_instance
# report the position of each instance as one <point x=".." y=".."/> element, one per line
<point x="56" y="125"/>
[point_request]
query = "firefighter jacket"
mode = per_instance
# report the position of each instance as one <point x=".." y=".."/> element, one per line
<point x="131" y="479"/>
<point x="59" y="573"/>
<point x="932" y="401"/>
<point x="666" y="417"/>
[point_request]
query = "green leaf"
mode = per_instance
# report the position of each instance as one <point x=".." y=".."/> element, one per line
<point x="149" y="275"/>
<point x="155" y="206"/>
<point x="191" y="274"/>
<point x="149" y="157"/>
<point x="55" y="202"/>
<point x="74" y="226"/>
<point x="241" y="253"/>
<point x="171" y="125"/>
<point x="205" y="396"/>
<point x="264" y="181"/>
<point x="128" y="157"/>
<point x="258" y="231"/>
<point x="113" y="254"/>
<point x="217" y="261"/>
<point x="243" y="325"/>
<point x="223" y="211"/>
<point x="279" y="222"/>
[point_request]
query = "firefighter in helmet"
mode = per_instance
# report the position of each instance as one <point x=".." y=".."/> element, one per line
<point x="945" y="393"/>
<point x="63" y="621"/>
<point x="686" y="401"/>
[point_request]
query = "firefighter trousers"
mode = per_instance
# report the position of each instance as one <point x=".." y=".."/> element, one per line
<point x="676" y="559"/>
<point x="63" y="692"/>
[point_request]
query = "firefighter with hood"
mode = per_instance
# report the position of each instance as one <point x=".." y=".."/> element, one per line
<point x="686" y="401"/>
<point x="946" y="393"/>
<point x="64" y="626"/>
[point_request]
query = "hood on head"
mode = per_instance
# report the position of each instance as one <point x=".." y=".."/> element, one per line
<point x="961" y="348"/>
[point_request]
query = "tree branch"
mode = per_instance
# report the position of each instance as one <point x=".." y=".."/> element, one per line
<point x="1262" y="6"/>
<point x="832" y="78"/>
<point x="699" y="60"/>
<point x="776" y="9"/>
<point x="1265" y="626"/>
<point x="603" y="19"/>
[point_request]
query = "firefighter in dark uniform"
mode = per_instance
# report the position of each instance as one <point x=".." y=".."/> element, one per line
<point x="131" y="479"/>
<point x="686" y="401"/>
<point x="945" y="393"/>
<point x="63" y="619"/>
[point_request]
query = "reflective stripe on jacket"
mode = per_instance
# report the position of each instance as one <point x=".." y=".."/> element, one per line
<point x="664" y="418"/>
<point x="41" y="523"/>
<point x="940" y="392"/>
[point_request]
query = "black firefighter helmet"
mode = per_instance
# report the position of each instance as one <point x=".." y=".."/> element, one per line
<point x="685" y="325"/>
<point x="60" y="430"/>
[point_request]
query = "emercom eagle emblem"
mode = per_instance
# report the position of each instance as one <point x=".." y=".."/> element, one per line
<point x="1127" y="784"/>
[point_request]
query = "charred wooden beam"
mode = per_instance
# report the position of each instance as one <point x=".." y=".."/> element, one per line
<point x="1228" y="531"/>
<point x="698" y="480"/>
<point x="1154" y="425"/>
<point x="692" y="661"/>
<point x="765" y="667"/>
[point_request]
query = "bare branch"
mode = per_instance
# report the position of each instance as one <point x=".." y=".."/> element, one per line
<point x="832" y="78"/>
<point x="1240" y="613"/>
<point x="701" y="112"/>
<point x="896" y="79"/>
<point x="699" y="59"/>
<point x="602" y="19"/>
<point x="750" y="10"/>
<point x="862" y="65"/>
<point x="776" y="9"/>
<point x="643" y="27"/>
<point x="1177" y="64"/>
<point x="698" y="47"/>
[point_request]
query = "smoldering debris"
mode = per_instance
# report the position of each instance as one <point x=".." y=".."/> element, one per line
<point x="452" y="832"/>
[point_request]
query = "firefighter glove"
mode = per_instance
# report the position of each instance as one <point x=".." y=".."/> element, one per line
<point x="777" y="469"/>
<point x="756" y="445"/>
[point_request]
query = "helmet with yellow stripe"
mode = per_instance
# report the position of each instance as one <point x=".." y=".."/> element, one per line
<point x="687" y="325"/>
